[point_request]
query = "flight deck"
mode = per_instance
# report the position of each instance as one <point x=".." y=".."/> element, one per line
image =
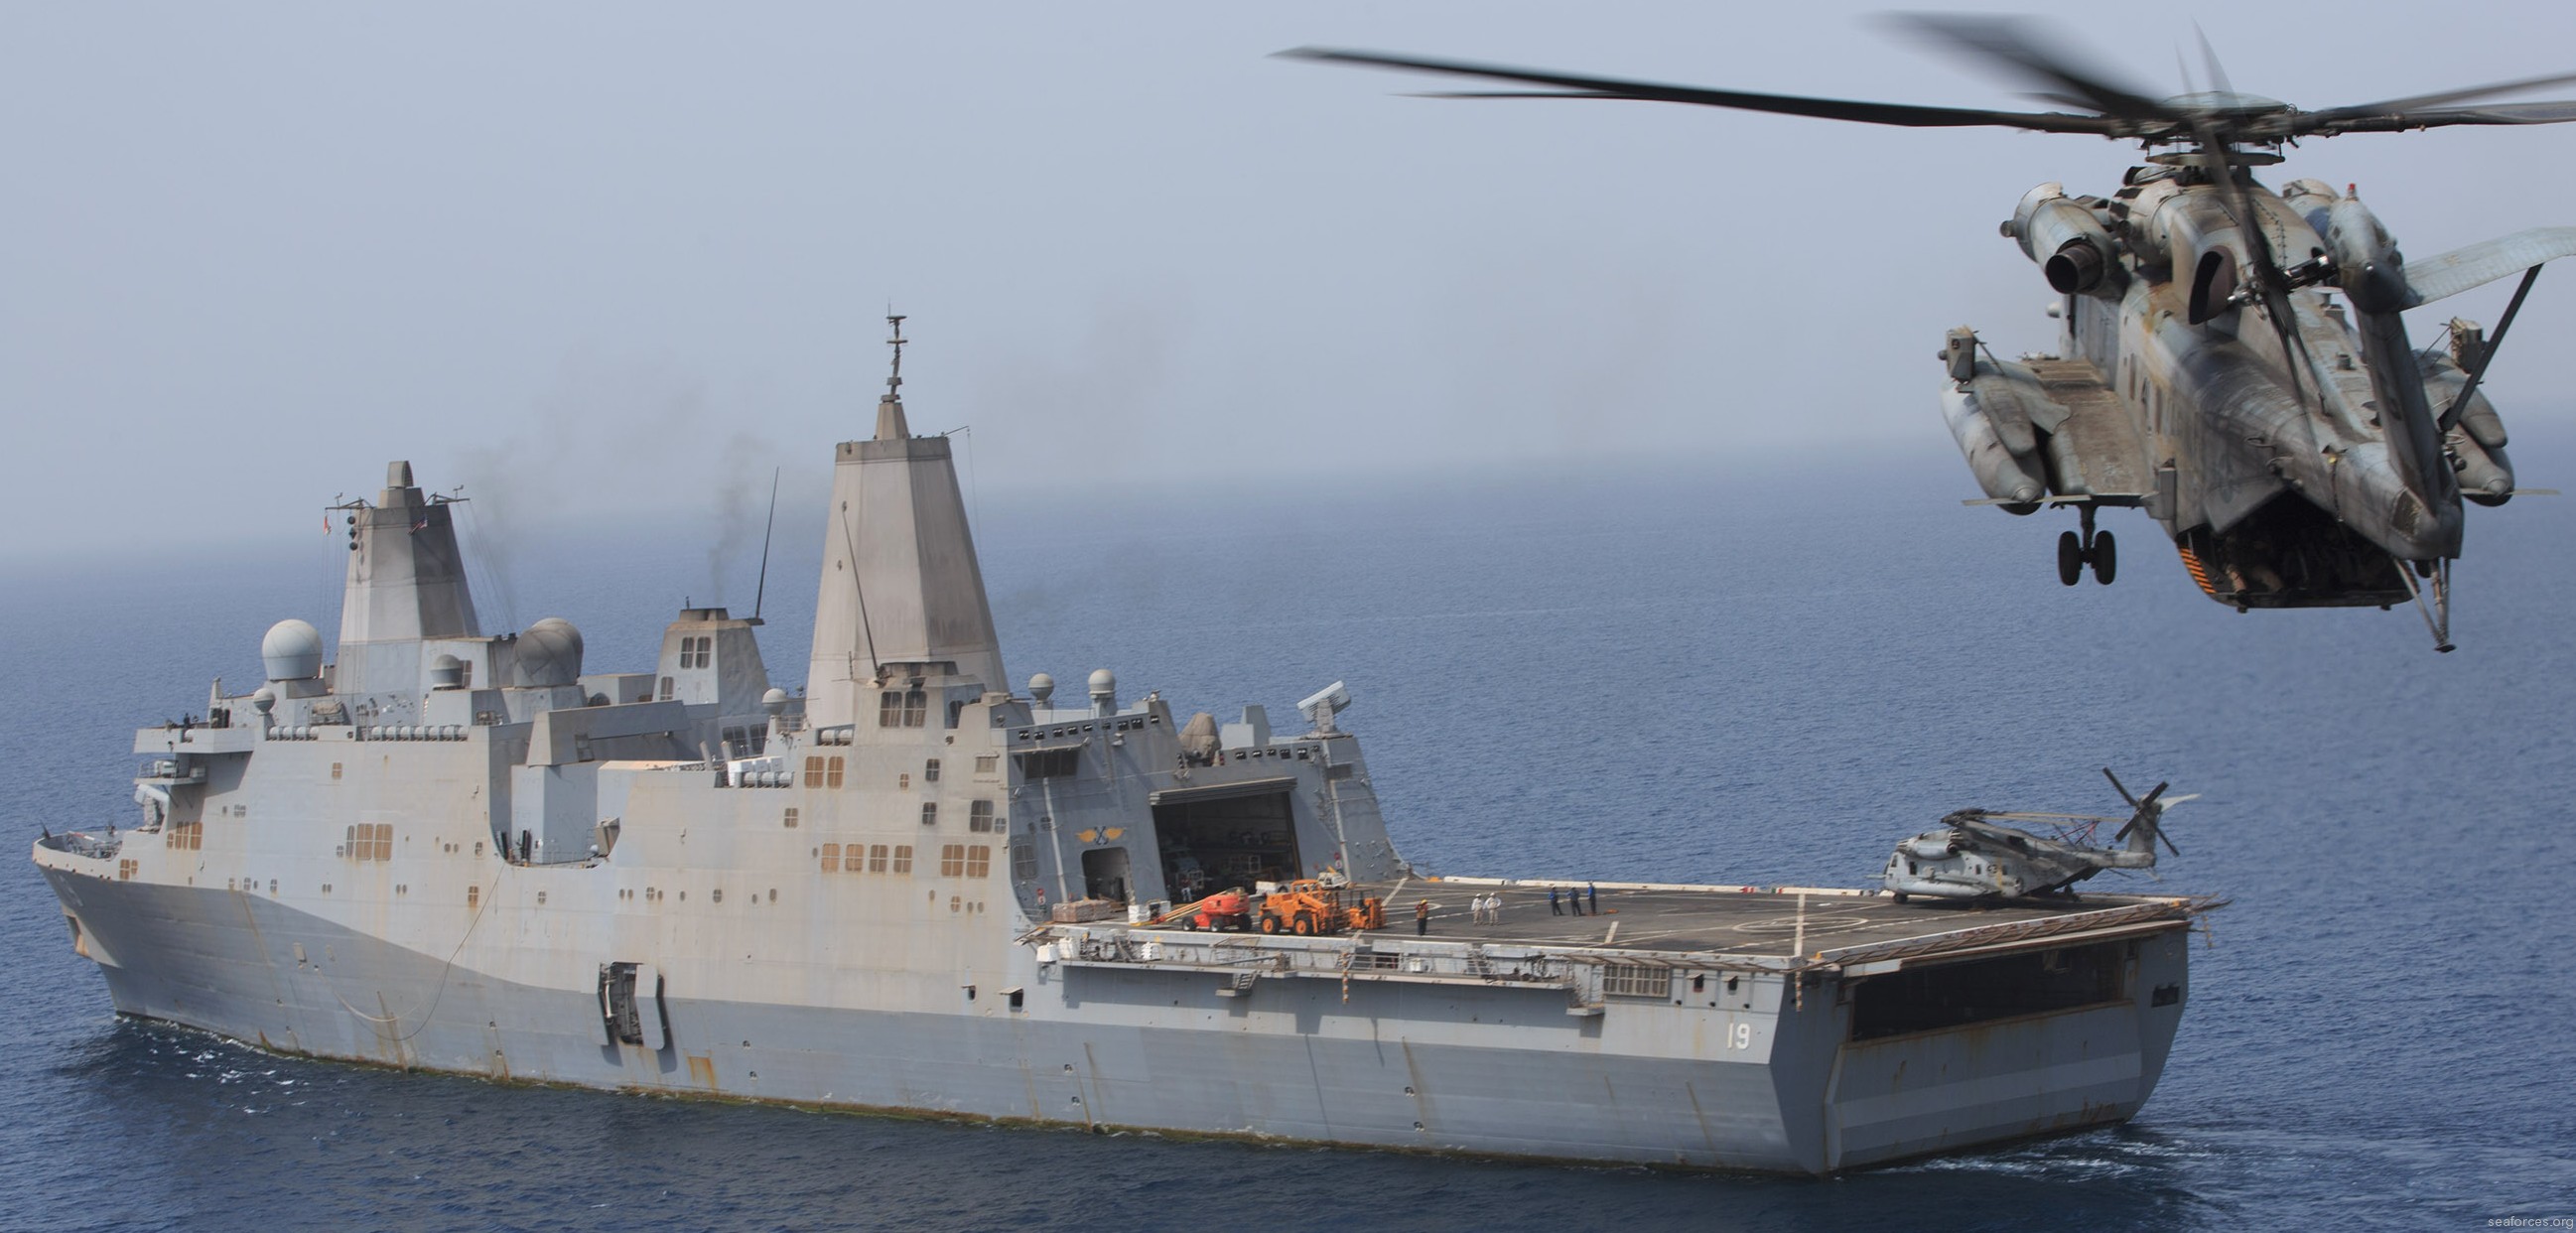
<point x="1752" y="921"/>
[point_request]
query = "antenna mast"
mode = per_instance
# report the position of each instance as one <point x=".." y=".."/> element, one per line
<point x="894" y="380"/>
<point x="762" y="591"/>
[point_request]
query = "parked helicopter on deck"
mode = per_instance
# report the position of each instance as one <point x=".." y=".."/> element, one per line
<point x="1971" y="856"/>
<point x="2298" y="450"/>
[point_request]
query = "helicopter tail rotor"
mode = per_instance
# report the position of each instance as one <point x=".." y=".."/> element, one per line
<point x="2145" y="827"/>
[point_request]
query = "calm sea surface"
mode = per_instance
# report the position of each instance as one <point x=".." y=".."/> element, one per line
<point x="1645" y="676"/>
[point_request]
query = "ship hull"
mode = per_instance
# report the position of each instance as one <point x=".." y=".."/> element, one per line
<point x="1490" y="1071"/>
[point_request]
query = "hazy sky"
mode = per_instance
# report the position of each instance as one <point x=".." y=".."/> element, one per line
<point x="614" y="258"/>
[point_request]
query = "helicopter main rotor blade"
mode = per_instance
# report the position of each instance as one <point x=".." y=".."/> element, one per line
<point x="2023" y="815"/>
<point x="1902" y="115"/>
<point x="2434" y="104"/>
<point x="2445" y="117"/>
<point x="2009" y="44"/>
<point x="2209" y="56"/>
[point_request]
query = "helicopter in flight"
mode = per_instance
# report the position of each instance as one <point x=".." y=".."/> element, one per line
<point x="2298" y="450"/>
<point x="1970" y="856"/>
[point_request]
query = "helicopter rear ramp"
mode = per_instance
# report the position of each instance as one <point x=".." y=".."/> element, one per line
<point x="2098" y="453"/>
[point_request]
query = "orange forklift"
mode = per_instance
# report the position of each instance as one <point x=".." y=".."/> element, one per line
<point x="1305" y="907"/>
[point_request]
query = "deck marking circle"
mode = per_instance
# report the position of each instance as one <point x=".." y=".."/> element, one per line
<point x="1814" y="924"/>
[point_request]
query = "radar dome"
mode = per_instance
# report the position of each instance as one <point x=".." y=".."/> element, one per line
<point x="550" y="653"/>
<point x="774" y="701"/>
<point x="293" y="651"/>
<point x="1042" y="687"/>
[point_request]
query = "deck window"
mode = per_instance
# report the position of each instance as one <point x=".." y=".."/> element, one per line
<point x="1050" y="764"/>
<point x="1636" y="980"/>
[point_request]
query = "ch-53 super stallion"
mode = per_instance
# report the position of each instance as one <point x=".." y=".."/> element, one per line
<point x="2298" y="454"/>
<point x="1972" y="856"/>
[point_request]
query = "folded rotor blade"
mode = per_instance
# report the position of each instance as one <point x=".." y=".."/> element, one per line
<point x="1899" y="114"/>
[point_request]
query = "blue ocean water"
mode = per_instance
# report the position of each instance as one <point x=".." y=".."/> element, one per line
<point x="1643" y="674"/>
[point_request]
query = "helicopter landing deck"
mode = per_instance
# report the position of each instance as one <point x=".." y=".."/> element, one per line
<point x="1749" y="923"/>
<point x="1757" y="927"/>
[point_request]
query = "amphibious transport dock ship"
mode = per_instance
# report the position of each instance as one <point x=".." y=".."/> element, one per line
<point x="910" y="888"/>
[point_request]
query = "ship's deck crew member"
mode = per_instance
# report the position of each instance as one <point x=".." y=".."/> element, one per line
<point x="1553" y="909"/>
<point x="1574" y="900"/>
<point x="1421" y="917"/>
<point x="1592" y="894"/>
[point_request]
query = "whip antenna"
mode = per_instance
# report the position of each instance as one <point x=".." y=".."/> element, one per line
<point x="762" y="590"/>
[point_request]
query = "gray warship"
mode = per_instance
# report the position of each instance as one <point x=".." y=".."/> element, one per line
<point x="907" y="887"/>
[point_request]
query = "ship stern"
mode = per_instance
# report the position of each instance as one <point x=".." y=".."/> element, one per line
<point x="1914" y="1059"/>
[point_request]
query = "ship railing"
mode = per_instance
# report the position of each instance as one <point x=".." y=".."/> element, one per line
<point x="1382" y="957"/>
<point x="414" y="732"/>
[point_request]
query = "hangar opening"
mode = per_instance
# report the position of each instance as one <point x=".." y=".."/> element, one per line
<point x="1952" y="995"/>
<point x="1229" y="835"/>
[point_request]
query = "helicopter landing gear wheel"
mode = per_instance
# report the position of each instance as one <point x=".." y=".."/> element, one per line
<point x="2077" y="550"/>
